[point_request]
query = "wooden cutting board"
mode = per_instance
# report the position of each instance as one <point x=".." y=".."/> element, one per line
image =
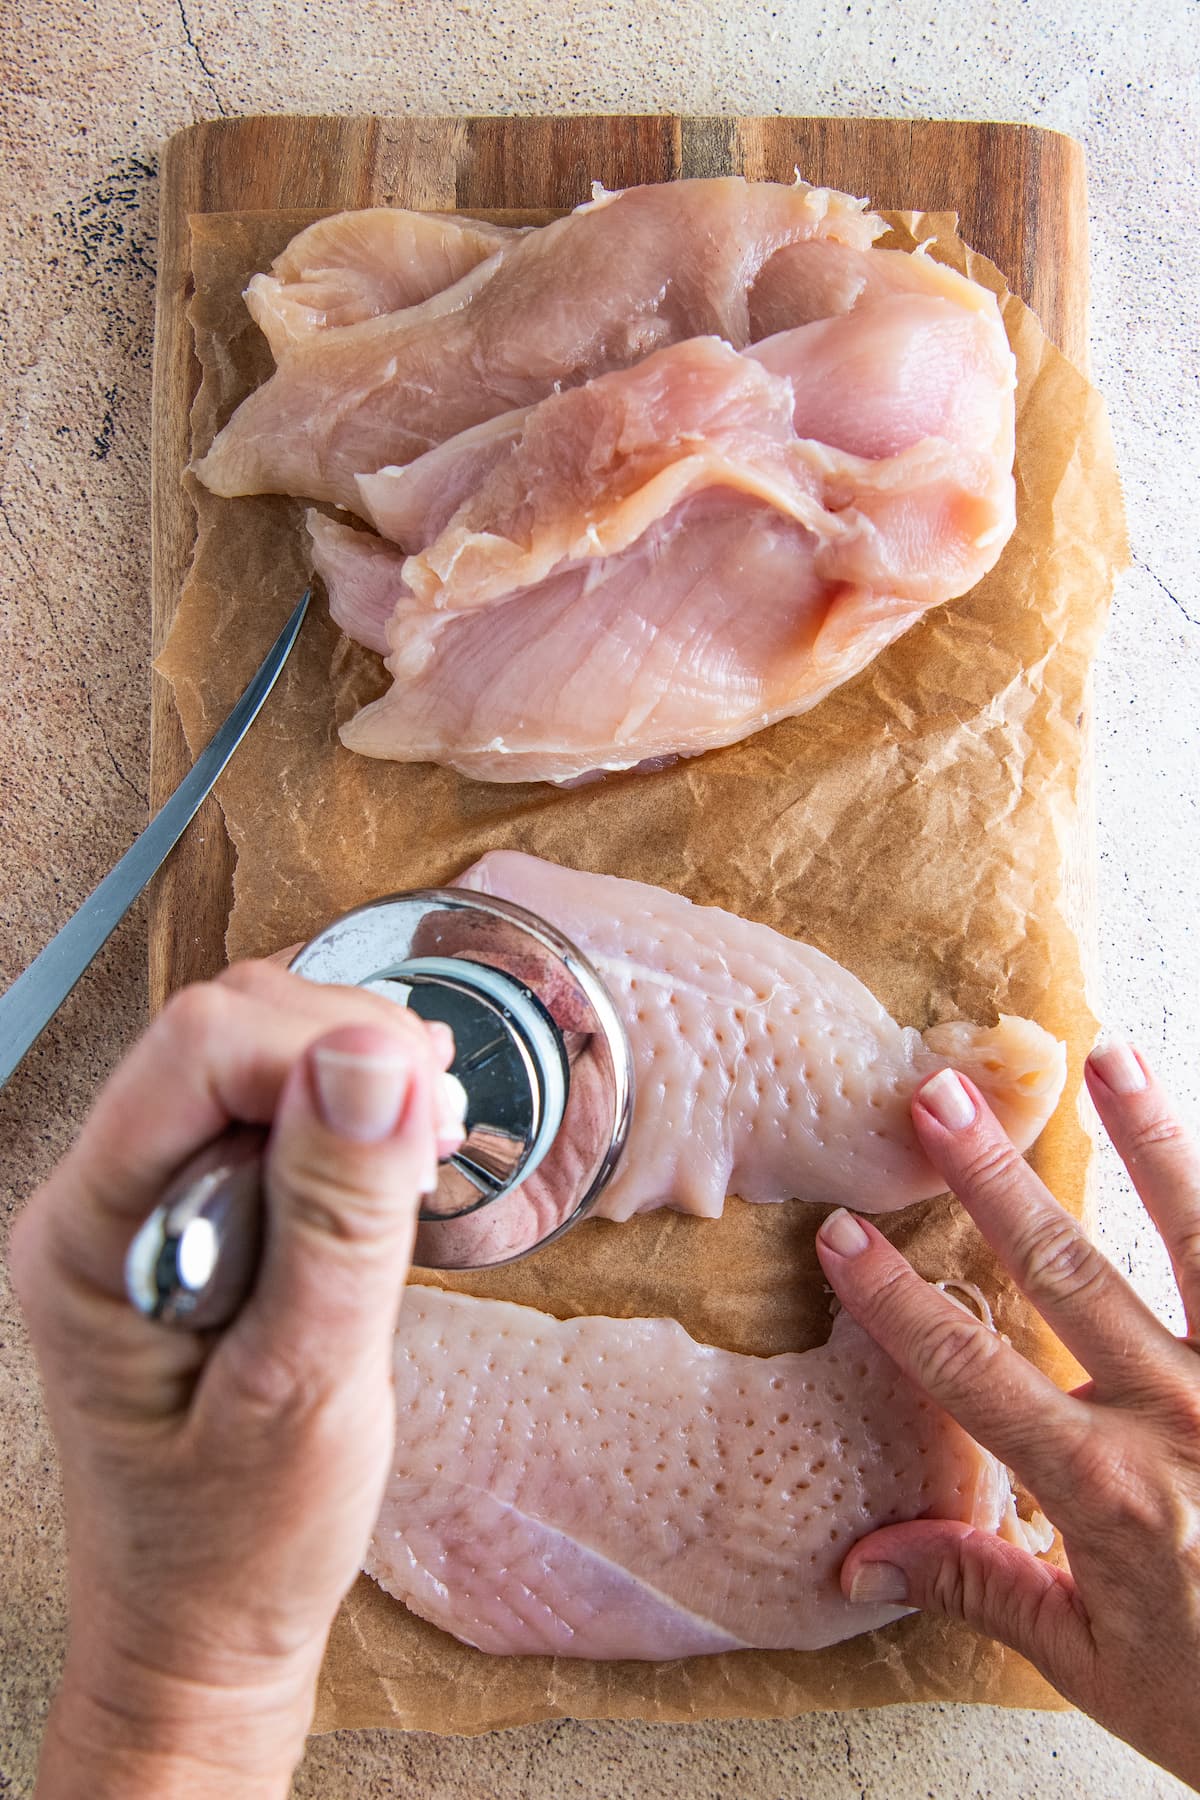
<point x="1019" y="192"/>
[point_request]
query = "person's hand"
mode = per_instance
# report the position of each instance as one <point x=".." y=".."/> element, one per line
<point x="220" y="1490"/>
<point x="1115" y="1466"/>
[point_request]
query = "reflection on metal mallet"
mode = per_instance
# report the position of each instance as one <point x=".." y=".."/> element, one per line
<point x="543" y="1060"/>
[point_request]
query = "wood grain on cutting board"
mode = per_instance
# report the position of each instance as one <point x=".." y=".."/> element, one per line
<point x="1019" y="192"/>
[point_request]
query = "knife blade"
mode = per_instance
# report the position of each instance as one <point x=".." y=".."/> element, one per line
<point x="34" y="998"/>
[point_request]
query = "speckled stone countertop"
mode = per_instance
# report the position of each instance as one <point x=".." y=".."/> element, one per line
<point x="89" y="95"/>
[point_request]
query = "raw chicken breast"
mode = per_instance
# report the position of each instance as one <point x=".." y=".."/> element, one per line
<point x="584" y="473"/>
<point x="803" y="282"/>
<point x="610" y="1488"/>
<point x="541" y="691"/>
<point x="686" y="550"/>
<point x="595" y="291"/>
<point x="355" y="265"/>
<point x="762" y="1067"/>
<point x="413" y="503"/>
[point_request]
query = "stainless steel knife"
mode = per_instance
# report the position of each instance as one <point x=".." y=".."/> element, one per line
<point x="33" y="999"/>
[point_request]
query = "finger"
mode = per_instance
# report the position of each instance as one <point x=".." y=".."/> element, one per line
<point x="102" y="1358"/>
<point x="352" y="1148"/>
<point x="1163" y="1161"/>
<point x="218" y="1052"/>
<point x="1002" y="1400"/>
<point x="327" y="1004"/>
<point x="70" y="1249"/>
<point x="994" y="1587"/>
<point x="266" y="980"/>
<point x="1075" y="1288"/>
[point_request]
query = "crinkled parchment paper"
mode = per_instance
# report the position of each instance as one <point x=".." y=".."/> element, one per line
<point x="916" y="826"/>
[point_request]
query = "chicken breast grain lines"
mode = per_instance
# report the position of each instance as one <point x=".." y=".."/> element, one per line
<point x="677" y="554"/>
<point x="665" y="539"/>
<point x="610" y="1488"/>
<point x="353" y="266"/>
<point x="626" y="274"/>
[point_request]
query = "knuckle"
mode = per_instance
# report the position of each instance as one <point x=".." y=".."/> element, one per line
<point x="194" y="1016"/>
<point x="969" y="1582"/>
<point x="327" y="1215"/>
<point x="1183" y="1407"/>
<point x="1042" y="1614"/>
<point x="1148" y="1137"/>
<point x="269" y="1381"/>
<point x="1109" y="1483"/>
<point x="956" y="1353"/>
<point x="1172" y="1398"/>
<point x="254" y="979"/>
<point x="885" y="1306"/>
<point x="337" y="1213"/>
<point x="401" y="1019"/>
<point x="948" y="1590"/>
<point x="1185" y="1253"/>
<point x="995" y="1165"/>
<point x="1056" y="1261"/>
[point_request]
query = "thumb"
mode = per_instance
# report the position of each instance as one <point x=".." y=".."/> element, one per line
<point x="352" y="1148"/>
<point x="997" y="1588"/>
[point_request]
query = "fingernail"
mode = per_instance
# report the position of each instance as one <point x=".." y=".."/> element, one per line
<point x="843" y="1234"/>
<point x="449" y="1111"/>
<point x="442" y="1039"/>
<point x="948" y="1101"/>
<point x="878" y="1584"/>
<point x="1117" y="1067"/>
<point x="360" y="1096"/>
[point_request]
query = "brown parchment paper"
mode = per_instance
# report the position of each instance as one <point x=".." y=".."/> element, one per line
<point x="922" y="825"/>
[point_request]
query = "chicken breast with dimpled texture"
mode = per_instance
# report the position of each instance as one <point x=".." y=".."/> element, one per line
<point x="610" y="1488"/>
<point x="762" y="1067"/>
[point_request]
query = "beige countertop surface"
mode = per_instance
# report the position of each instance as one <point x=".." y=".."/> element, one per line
<point x="89" y="94"/>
